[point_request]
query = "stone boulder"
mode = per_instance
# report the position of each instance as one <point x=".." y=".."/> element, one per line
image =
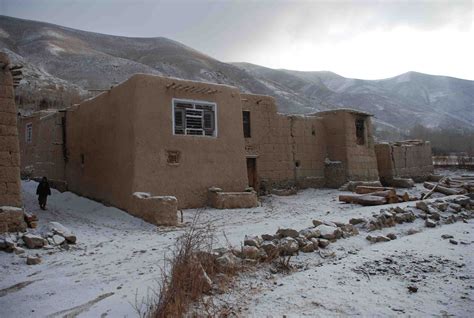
<point x="59" y="229"/>
<point x="288" y="246"/>
<point x="287" y="233"/>
<point x="33" y="260"/>
<point x="33" y="241"/>
<point x="310" y="232"/>
<point x="250" y="252"/>
<point x="329" y="232"/>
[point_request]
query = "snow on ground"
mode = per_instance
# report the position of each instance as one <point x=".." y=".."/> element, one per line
<point x="118" y="258"/>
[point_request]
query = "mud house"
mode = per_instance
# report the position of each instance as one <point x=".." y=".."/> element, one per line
<point x="11" y="213"/>
<point x="170" y="137"/>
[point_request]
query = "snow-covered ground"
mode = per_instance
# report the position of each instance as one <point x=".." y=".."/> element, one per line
<point x="118" y="258"/>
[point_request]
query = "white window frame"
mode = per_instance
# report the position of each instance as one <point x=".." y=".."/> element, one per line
<point x="193" y="102"/>
<point x="29" y="133"/>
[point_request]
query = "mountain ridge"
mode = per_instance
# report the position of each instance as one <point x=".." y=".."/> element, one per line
<point x="72" y="61"/>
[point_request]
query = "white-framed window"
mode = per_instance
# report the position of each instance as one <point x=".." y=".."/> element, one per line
<point x="196" y="118"/>
<point x="29" y="133"/>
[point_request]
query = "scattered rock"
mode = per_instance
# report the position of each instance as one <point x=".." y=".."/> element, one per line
<point x="308" y="248"/>
<point x="268" y="237"/>
<point x="453" y="242"/>
<point x="270" y="248"/>
<point x="430" y="223"/>
<point x="382" y="238"/>
<point x="412" y="289"/>
<point x="33" y="260"/>
<point x="412" y="231"/>
<point x="446" y="236"/>
<point x="288" y="246"/>
<point x="58" y="240"/>
<point x="287" y="233"/>
<point x="250" y="252"/>
<point x="60" y="229"/>
<point x="392" y="236"/>
<point x="355" y="221"/>
<point x="317" y="222"/>
<point x="252" y="241"/>
<point x="18" y="250"/>
<point x="329" y="232"/>
<point x="423" y="206"/>
<point x="310" y="233"/>
<point x="323" y="243"/>
<point x="33" y="241"/>
<point x="435" y="216"/>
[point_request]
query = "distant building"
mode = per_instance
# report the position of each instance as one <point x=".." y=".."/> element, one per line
<point x="172" y="137"/>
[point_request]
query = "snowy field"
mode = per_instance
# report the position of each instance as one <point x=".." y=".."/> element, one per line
<point x="117" y="260"/>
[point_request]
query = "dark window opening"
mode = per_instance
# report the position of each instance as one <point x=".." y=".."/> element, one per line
<point x="360" y="131"/>
<point x="246" y="121"/>
<point x="297" y="163"/>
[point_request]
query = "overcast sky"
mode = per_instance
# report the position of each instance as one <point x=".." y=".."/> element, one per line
<point x="363" y="39"/>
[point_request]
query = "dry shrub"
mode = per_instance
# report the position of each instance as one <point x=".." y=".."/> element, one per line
<point x="192" y="270"/>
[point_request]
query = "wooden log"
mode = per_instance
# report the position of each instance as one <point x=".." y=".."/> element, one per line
<point x="443" y="190"/>
<point x="362" y="199"/>
<point x="435" y="177"/>
<point x="361" y="189"/>
<point x="401" y="183"/>
<point x="386" y="194"/>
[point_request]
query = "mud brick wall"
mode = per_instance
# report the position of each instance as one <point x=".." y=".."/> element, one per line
<point x="405" y="161"/>
<point x="43" y="154"/>
<point x="289" y="150"/>
<point x="9" y="147"/>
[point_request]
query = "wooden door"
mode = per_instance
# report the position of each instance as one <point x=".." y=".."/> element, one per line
<point x="252" y="172"/>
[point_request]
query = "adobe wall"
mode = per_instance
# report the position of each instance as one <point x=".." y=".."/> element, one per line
<point x="44" y="154"/>
<point x="289" y="150"/>
<point x="404" y="160"/>
<point x="204" y="161"/>
<point x="10" y="194"/>
<point x="101" y="146"/>
<point x="357" y="160"/>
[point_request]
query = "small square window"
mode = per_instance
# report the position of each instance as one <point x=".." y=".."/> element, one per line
<point x="173" y="157"/>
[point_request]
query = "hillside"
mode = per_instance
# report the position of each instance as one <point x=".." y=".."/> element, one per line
<point x="60" y="64"/>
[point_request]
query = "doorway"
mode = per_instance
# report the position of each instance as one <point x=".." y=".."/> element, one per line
<point x="252" y="172"/>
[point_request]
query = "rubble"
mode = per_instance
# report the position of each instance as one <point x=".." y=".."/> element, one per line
<point x="33" y="260"/>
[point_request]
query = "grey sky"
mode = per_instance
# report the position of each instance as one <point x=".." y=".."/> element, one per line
<point x="364" y="39"/>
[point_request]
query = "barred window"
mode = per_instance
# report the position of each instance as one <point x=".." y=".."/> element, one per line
<point x="194" y="118"/>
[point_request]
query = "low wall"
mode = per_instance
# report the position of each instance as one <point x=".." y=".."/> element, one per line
<point x="158" y="210"/>
<point x="232" y="200"/>
<point x="407" y="159"/>
<point x="11" y="219"/>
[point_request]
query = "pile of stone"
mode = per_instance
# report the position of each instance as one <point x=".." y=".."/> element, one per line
<point x="31" y="220"/>
<point x="56" y="235"/>
<point x="288" y="242"/>
<point x="446" y="210"/>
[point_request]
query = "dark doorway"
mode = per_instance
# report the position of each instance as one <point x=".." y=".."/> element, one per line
<point x="252" y="172"/>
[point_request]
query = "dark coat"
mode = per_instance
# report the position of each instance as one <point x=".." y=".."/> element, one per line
<point x="43" y="189"/>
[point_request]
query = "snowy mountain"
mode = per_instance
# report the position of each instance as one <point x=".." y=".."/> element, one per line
<point x="60" y="64"/>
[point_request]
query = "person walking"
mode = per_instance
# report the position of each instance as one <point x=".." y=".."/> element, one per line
<point x="43" y="190"/>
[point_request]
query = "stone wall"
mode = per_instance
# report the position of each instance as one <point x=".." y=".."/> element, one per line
<point x="11" y="219"/>
<point x="9" y="148"/>
<point x="409" y="159"/>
